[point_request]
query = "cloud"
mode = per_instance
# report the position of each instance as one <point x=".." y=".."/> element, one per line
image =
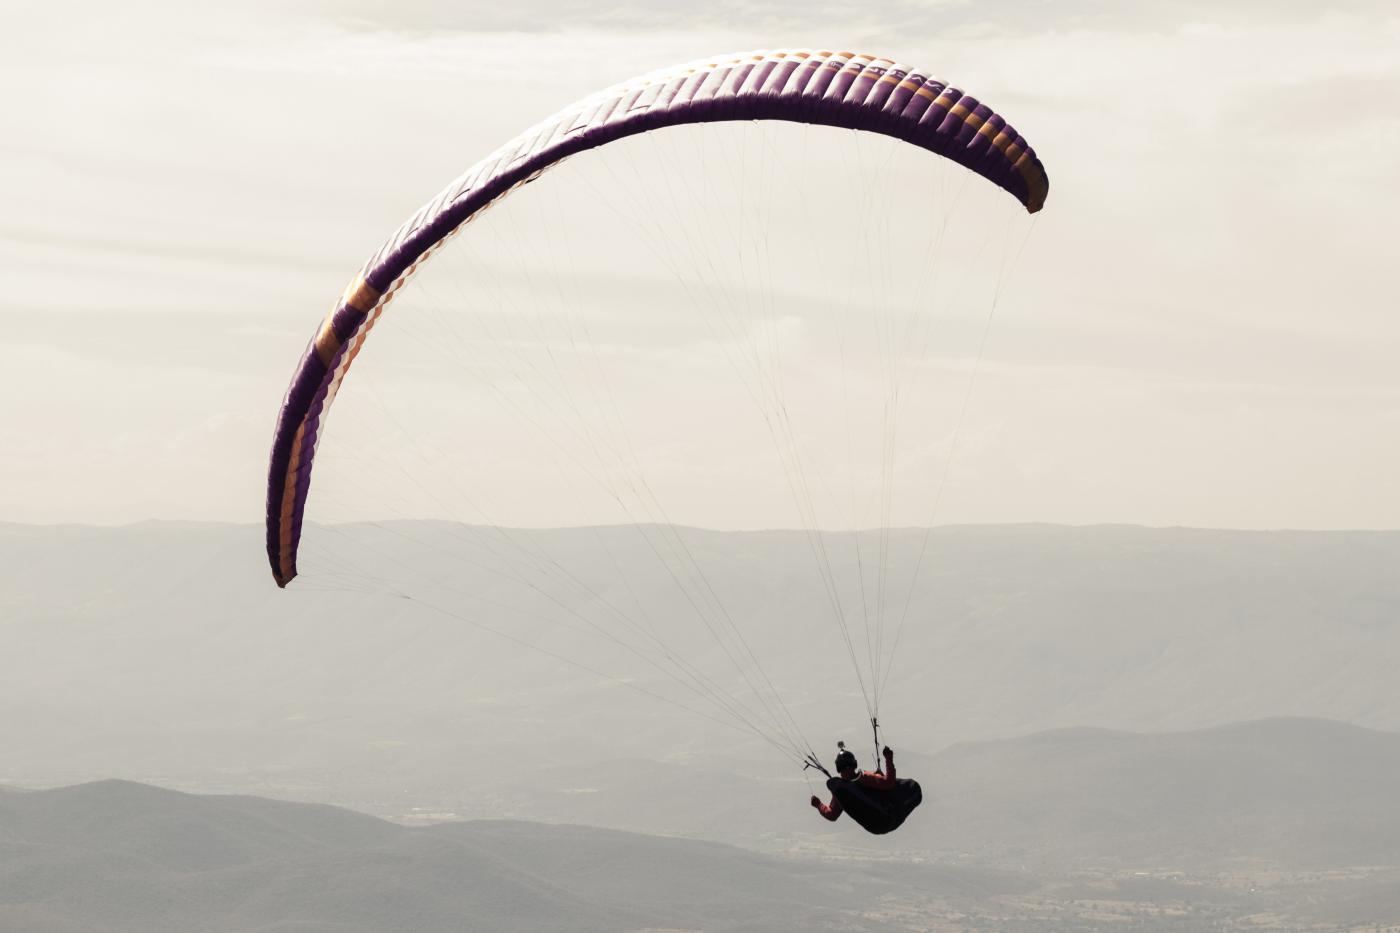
<point x="894" y="18"/>
<point x="1222" y="210"/>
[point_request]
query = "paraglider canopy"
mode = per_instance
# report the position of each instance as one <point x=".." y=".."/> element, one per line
<point x="838" y="89"/>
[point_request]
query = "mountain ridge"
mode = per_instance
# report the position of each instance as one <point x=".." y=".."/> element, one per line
<point x="168" y="655"/>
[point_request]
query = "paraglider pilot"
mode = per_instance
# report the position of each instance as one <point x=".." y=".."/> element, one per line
<point x="846" y="768"/>
<point x="878" y="800"/>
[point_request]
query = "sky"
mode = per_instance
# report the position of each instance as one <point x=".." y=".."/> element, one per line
<point x="1199" y="331"/>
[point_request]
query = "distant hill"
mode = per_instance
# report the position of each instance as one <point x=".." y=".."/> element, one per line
<point x="1293" y="792"/>
<point x="163" y="652"/>
<point x="1220" y="829"/>
<point x="114" y="856"/>
<point x="1305" y="794"/>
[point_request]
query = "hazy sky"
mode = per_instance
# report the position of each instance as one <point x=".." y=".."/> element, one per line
<point x="1201" y="330"/>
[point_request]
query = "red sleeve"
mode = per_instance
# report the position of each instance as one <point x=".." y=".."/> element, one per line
<point x="830" y="810"/>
